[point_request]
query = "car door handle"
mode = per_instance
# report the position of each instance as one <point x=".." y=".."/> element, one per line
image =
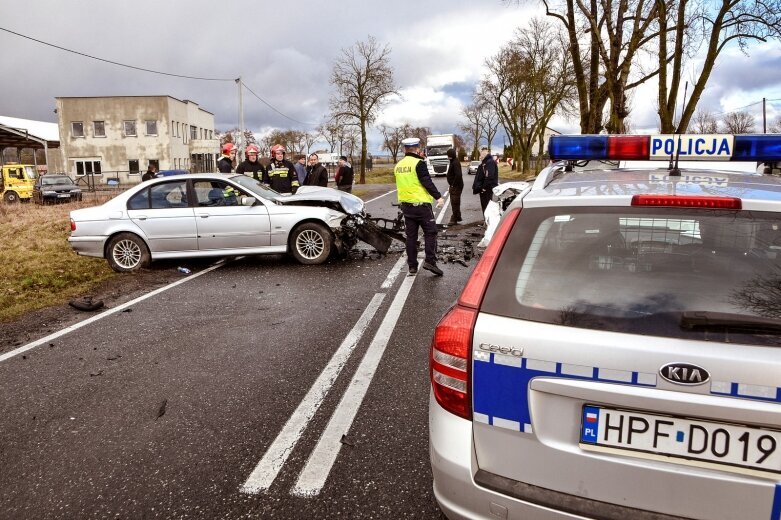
<point x="203" y="215"/>
<point x="141" y="217"/>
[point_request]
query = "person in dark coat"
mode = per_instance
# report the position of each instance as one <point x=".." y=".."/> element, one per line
<point x="344" y="177"/>
<point x="252" y="166"/>
<point x="455" y="180"/>
<point x="486" y="178"/>
<point x="316" y="174"/>
<point x="225" y="163"/>
<point x="150" y="173"/>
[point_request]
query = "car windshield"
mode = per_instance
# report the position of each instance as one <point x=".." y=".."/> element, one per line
<point x="640" y="270"/>
<point x="256" y="187"/>
<point x="51" y="180"/>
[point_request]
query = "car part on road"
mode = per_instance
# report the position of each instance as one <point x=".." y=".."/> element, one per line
<point x="127" y="252"/>
<point x="86" y="304"/>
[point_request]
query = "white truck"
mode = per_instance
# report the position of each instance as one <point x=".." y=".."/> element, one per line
<point x="436" y="152"/>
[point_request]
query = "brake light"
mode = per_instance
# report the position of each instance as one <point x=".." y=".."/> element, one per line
<point x="73" y="225"/>
<point x="451" y="347"/>
<point x="687" y="202"/>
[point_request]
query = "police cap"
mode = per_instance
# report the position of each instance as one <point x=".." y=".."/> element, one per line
<point x="410" y="142"/>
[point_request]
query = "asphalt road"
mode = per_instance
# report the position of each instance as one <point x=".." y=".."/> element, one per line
<point x="230" y="395"/>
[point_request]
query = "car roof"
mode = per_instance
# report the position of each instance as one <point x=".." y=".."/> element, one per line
<point x="616" y="186"/>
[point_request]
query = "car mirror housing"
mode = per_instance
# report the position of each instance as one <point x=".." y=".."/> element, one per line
<point x="248" y="201"/>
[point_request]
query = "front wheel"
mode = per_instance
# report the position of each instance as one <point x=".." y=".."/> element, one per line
<point x="126" y="252"/>
<point x="311" y="243"/>
<point x="11" y="197"/>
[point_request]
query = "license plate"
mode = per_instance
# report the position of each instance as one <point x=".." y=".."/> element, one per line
<point x="64" y="195"/>
<point x="731" y="447"/>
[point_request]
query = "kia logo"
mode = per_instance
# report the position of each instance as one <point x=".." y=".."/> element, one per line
<point x="684" y="374"/>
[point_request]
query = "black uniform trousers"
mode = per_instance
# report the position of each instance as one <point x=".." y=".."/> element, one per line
<point x="415" y="217"/>
<point x="485" y="198"/>
<point x="455" y="202"/>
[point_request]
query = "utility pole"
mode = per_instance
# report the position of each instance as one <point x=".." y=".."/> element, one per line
<point x="241" y="118"/>
<point x="764" y="116"/>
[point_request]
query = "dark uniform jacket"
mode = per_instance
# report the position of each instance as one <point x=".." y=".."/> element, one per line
<point x="454" y="176"/>
<point x="487" y="176"/>
<point x="255" y="169"/>
<point x="345" y="177"/>
<point x="316" y="175"/>
<point x="281" y="176"/>
<point x="225" y="165"/>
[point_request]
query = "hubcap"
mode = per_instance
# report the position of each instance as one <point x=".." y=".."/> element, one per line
<point x="310" y="244"/>
<point x="127" y="254"/>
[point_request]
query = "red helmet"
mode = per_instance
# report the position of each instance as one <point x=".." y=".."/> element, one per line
<point x="252" y="149"/>
<point x="277" y="147"/>
<point x="228" y="147"/>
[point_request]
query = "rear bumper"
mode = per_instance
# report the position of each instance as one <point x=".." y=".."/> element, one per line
<point x="89" y="245"/>
<point x="457" y="493"/>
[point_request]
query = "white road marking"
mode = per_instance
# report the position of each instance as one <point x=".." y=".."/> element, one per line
<point x="76" y="326"/>
<point x="313" y="476"/>
<point x="444" y="208"/>
<point x="269" y="466"/>
<point x="381" y="196"/>
<point x="394" y="272"/>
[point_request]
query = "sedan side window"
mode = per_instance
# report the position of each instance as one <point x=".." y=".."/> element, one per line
<point x="139" y="201"/>
<point x="216" y="193"/>
<point x="169" y="195"/>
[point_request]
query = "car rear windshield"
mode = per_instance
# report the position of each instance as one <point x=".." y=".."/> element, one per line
<point x="649" y="271"/>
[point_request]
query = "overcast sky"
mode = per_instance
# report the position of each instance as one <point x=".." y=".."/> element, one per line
<point x="284" y="52"/>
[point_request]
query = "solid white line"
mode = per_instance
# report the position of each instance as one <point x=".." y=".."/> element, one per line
<point x="444" y="208"/>
<point x="381" y="196"/>
<point x="313" y="476"/>
<point x="269" y="466"/>
<point x="394" y="272"/>
<point x="50" y="337"/>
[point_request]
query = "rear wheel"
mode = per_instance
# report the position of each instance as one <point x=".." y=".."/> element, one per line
<point x="127" y="252"/>
<point x="11" y="197"/>
<point x="311" y="243"/>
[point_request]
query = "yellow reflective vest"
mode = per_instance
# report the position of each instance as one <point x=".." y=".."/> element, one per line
<point x="409" y="187"/>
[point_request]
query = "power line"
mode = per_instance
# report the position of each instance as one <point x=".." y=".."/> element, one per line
<point x="274" y="109"/>
<point x="113" y="62"/>
<point x="736" y="109"/>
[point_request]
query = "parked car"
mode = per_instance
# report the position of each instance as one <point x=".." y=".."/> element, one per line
<point x="615" y="352"/>
<point x="472" y="170"/>
<point x="53" y="188"/>
<point x="220" y="215"/>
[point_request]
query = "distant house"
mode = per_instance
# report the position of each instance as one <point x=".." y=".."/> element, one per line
<point x="118" y="137"/>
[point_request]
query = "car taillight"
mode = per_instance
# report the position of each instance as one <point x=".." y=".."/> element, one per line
<point x="73" y="225"/>
<point x="679" y="201"/>
<point x="451" y="347"/>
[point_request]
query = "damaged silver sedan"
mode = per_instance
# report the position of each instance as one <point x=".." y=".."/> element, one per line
<point x="205" y="215"/>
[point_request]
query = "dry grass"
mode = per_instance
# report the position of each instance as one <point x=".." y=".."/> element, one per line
<point x="37" y="266"/>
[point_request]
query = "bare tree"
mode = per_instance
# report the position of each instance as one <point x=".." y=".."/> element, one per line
<point x="488" y="116"/>
<point x="704" y="122"/>
<point x="310" y="138"/>
<point x="392" y="137"/>
<point x="738" y="123"/>
<point x="471" y="127"/>
<point x="775" y="128"/>
<point x="330" y="130"/>
<point x="363" y="79"/>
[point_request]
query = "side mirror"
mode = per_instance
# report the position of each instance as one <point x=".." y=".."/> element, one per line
<point x="248" y="201"/>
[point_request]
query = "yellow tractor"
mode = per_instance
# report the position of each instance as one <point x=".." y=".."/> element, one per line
<point x="17" y="182"/>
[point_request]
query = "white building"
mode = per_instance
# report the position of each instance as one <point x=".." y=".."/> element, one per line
<point x="118" y="137"/>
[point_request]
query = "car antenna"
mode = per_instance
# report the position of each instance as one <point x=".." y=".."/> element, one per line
<point x="674" y="170"/>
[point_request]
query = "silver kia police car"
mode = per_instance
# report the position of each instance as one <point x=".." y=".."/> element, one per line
<point x="616" y="353"/>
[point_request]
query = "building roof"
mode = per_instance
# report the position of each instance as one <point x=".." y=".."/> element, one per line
<point x="186" y="101"/>
<point x="40" y="130"/>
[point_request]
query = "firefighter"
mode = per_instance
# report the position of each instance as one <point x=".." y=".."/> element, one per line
<point x="225" y="163"/>
<point x="280" y="175"/>
<point x="251" y="165"/>
<point x="416" y="193"/>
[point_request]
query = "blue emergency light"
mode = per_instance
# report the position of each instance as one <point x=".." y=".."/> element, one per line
<point x="686" y="147"/>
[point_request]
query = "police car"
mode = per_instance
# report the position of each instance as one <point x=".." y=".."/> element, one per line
<point x="616" y="353"/>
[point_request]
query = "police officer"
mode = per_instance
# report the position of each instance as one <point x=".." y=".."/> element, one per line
<point x="416" y="192"/>
<point x="225" y="163"/>
<point x="280" y="175"/>
<point x="251" y="166"/>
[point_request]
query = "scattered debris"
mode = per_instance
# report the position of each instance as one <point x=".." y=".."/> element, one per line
<point x="51" y="345"/>
<point x="344" y="441"/>
<point x="113" y="357"/>
<point x="183" y="270"/>
<point x="86" y="304"/>
<point x="161" y="409"/>
<point x="127" y="310"/>
<point x="24" y="357"/>
<point x="96" y="373"/>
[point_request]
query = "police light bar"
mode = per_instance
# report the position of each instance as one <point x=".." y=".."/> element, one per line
<point x="685" y="147"/>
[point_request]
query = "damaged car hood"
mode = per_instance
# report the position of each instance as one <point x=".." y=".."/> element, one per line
<point x="348" y="202"/>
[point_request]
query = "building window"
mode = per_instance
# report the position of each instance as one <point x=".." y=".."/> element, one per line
<point x="155" y="163"/>
<point x="173" y="128"/>
<point x="88" y="168"/>
<point x="99" y="128"/>
<point x="130" y="128"/>
<point x="193" y="132"/>
<point x="133" y="166"/>
<point x="151" y="128"/>
<point x="77" y="129"/>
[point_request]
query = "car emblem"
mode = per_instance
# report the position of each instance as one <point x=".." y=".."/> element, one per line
<point x="508" y="351"/>
<point x="684" y="374"/>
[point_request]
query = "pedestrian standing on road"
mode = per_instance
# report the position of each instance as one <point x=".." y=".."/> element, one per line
<point x="225" y="163"/>
<point x="455" y="180"/>
<point x="300" y="166"/>
<point x="316" y="174"/>
<point x="150" y="173"/>
<point x="344" y="177"/>
<point x="280" y="175"/>
<point x="251" y="165"/>
<point x="486" y="178"/>
<point x="416" y="193"/>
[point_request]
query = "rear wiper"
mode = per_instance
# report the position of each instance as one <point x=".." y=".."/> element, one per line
<point x="722" y="320"/>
